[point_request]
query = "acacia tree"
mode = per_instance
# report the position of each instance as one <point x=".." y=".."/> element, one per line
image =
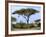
<point x="38" y="22"/>
<point x="13" y="19"/>
<point x="12" y="25"/>
<point x="26" y="13"/>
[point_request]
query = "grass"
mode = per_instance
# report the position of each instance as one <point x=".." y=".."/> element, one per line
<point x="23" y="26"/>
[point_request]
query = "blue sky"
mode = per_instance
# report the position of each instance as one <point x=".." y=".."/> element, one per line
<point x="32" y="17"/>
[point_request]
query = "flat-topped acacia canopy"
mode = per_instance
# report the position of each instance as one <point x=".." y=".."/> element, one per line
<point x="26" y="11"/>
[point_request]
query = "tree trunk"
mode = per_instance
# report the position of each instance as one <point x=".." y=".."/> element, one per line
<point x="27" y="19"/>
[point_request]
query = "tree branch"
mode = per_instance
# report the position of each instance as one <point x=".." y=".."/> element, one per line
<point x="25" y="18"/>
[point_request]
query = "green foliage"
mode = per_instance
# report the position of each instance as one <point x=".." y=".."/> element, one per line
<point x="39" y="25"/>
<point x="26" y="11"/>
<point x="13" y="19"/>
<point x="12" y="26"/>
